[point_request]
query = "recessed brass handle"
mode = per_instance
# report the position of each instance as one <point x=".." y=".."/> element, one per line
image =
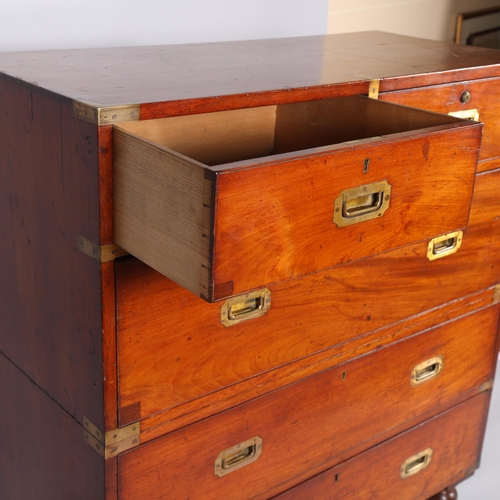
<point x="362" y="203"/>
<point x="249" y="306"/>
<point x="427" y="370"/>
<point x="466" y="114"/>
<point x="445" y="245"/>
<point x="238" y="456"/>
<point x="416" y="463"/>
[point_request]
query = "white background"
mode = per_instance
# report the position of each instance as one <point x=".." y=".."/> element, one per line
<point x="63" y="24"/>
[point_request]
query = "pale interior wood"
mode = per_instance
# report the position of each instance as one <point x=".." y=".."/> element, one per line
<point x="243" y="134"/>
<point x="313" y="124"/>
<point x="213" y="138"/>
<point x="162" y="204"/>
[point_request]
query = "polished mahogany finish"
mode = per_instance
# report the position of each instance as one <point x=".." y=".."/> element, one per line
<point x="193" y="77"/>
<point x="115" y="342"/>
<point x="50" y="293"/>
<point x="168" y="359"/>
<point x="455" y="456"/>
<point x="42" y="453"/>
<point x="480" y="95"/>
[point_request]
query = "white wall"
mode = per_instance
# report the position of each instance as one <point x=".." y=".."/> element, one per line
<point x="434" y="19"/>
<point x="53" y="24"/>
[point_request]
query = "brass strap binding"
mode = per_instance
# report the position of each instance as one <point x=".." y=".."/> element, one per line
<point x="106" y="115"/>
<point x="373" y="89"/>
<point x="466" y="114"/>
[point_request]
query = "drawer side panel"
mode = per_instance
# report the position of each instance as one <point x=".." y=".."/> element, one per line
<point x="163" y="206"/>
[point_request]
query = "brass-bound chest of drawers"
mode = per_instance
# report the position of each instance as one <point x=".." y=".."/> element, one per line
<point x="248" y="270"/>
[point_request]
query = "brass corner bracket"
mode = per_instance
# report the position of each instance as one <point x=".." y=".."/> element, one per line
<point x="101" y="253"/>
<point x="111" y="443"/>
<point x="106" y="115"/>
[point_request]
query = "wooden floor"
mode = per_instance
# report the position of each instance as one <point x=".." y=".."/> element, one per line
<point x="485" y="483"/>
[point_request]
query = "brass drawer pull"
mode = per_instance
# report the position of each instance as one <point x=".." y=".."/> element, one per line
<point x="416" y="463"/>
<point x="238" y="456"/>
<point x="427" y="370"/>
<point x="362" y="203"/>
<point x="245" y="307"/>
<point x="445" y="245"/>
<point x="466" y="114"/>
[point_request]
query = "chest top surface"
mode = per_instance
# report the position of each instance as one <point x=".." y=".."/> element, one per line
<point x="137" y="75"/>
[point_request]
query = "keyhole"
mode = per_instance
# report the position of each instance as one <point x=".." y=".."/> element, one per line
<point x="366" y="164"/>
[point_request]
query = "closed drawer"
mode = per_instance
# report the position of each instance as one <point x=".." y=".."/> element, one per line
<point x="479" y="99"/>
<point x="174" y="348"/>
<point x="228" y="202"/>
<point x="318" y="422"/>
<point x="440" y="453"/>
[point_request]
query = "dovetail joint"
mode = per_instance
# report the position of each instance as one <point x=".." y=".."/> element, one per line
<point x="111" y="443"/>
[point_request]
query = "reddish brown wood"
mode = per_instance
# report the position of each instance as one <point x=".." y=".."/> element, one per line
<point x="105" y="138"/>
<point x="174" y="349"/>
<point x="484" y="96"/>
<point x="42" y="452"/>
<point x="485" y="205"/>
<point x="271" y="70"/>
<point x="275" y="222"/>
<point x="376" y="473"/>
<point x="111" y="477"/>
<point x="205" y="406"/>
<point x="50" y="294"/>
<point x="320" y="421"/>
<point x="449" y="493"/>
<point x="109" y="347"/>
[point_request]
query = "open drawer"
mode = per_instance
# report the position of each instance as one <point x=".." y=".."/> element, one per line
<point x="227" y="202"/>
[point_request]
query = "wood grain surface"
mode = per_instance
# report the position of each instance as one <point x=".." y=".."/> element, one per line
<point x="42" y="452"/>
<point x="173" y="348"/>
<point x="50" y="297"/>
<point x="484" y="96"/>
<point x="273" y="216"/>
<point x="319" y="421"/>
<point x="275" y="222"/>
<point x="375" y="474"/>
<point x="160" y="206"/>
<point x="199" y="77"/>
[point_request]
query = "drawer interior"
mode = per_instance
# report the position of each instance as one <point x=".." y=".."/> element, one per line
<point x="243" y="134"/>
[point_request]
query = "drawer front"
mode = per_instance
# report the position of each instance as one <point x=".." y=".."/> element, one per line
<point x="321" y="421"/>
<point x="443" y="451"/>
<point x="174" y="349"/>
<point x="482" y="96"/>
<point x="328" y="191"/>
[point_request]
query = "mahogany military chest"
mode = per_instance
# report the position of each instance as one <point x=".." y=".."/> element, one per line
<point x="248" y="270"/>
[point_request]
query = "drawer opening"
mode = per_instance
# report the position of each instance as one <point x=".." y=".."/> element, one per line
<point x="243" y="134"/>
